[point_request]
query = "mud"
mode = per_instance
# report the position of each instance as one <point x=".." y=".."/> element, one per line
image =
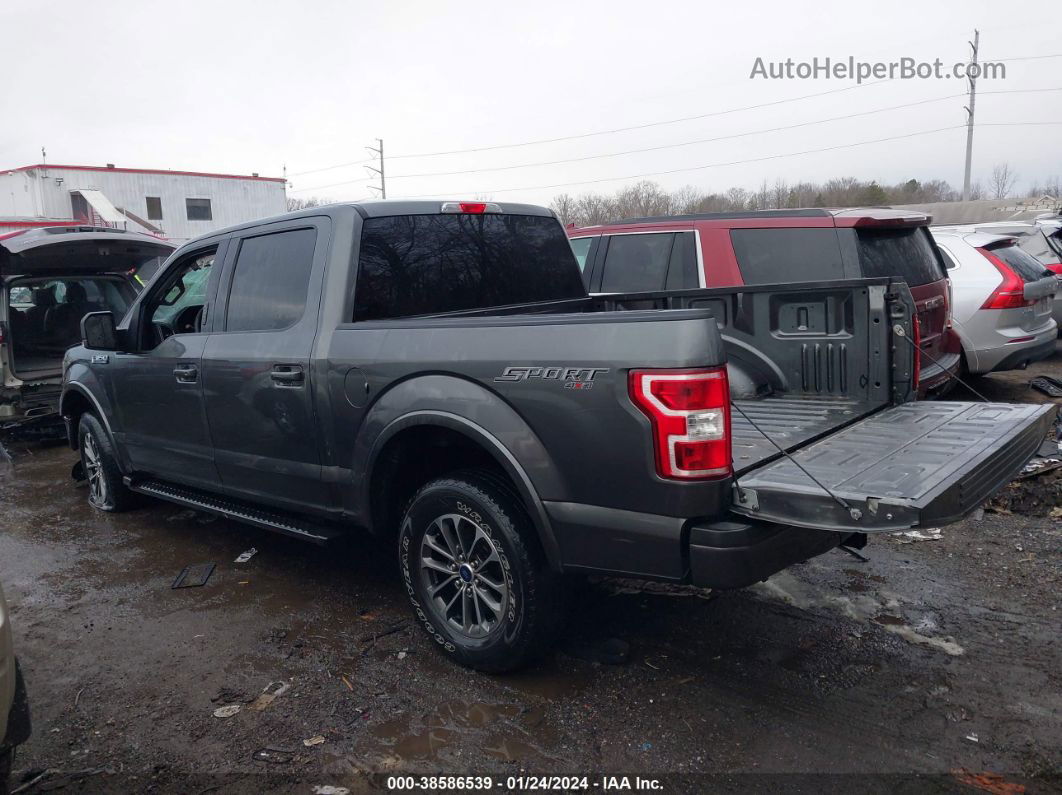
<point x="884" y="669"/>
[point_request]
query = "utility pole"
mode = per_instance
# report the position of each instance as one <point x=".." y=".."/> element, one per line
<point x="383" y="183"/>
<point x="971" y="76"/>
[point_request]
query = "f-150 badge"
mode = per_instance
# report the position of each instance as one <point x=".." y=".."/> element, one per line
<point x="571" y="377"/>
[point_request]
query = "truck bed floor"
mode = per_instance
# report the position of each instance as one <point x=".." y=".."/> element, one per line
<point x="790" y="421"/>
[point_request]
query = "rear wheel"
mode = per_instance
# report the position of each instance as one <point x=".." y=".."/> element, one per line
<point x="475" y="574"/>
<point x="107" y="492"/>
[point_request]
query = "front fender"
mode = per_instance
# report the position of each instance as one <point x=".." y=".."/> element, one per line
<point x="474" y="411"/>
<point x="80" y="381"/>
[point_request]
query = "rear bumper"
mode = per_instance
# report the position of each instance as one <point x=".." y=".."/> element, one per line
<point x="1017" y="359"/>
<point x="733" y="554"/>
<point x="936" y="377"/>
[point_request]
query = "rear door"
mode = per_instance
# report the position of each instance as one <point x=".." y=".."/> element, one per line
<point x="258" y="385"/>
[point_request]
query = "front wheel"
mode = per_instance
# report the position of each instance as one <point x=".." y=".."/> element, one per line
<point x="107" y="492"/>
<point x="475" y="574"/>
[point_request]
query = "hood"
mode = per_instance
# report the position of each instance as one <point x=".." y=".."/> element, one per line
<point x="78" y="250"/>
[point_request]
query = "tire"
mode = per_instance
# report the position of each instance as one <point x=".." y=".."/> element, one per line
<point x="475" y="574"/>
<point x="107" y="492"/>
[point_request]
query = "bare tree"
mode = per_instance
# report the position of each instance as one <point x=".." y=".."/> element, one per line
<point x="1003" y="180"/>
<point x="295" y="203"/>
<point x="564" y="205"/>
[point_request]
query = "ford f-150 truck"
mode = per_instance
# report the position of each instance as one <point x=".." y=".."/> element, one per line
<point x="436" y="375"/>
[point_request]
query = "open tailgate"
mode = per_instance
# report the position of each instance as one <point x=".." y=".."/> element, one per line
<point x="916" y="464"/>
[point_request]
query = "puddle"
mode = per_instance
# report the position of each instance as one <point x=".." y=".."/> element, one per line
<point x="880" y="608"/>
<point x="507" y="732"/>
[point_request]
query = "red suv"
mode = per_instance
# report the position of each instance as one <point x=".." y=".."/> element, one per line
<point x="684" y="252"/>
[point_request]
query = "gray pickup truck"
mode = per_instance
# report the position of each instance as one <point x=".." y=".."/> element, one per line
<point x="435" y="374"/>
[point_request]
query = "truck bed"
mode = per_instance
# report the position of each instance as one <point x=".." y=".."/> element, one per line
<point x="791" y="421"/>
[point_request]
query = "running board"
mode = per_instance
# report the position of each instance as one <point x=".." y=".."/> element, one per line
<point x="275" y="520"/>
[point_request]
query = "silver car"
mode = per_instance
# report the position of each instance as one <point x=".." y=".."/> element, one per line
<point x="14" y="711"/>
<point x="1042" y="238"/>
<point x="1002" y="300"/>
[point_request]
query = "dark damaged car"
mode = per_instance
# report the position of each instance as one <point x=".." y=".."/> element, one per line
<point x="49" y="279"/>
<point x="436" y="375"/>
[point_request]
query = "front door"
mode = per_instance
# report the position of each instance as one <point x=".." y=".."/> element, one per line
<point x="256" y="367"/>
<point x="159" y="388"/>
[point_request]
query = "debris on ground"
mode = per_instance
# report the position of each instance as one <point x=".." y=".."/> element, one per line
<point x="988" y="781"/>
<point x="227" y="711"/>
<point x="1036" y="493"/>
<point x="274" y="756"/>
<point x="269" y="695"/>
<point x="243" y="557"/>
<point x="312" y="741"/>
<point x="972" y="737"/>
<point x="929" y="534"/>
<point x="1047" y="385"/>
<point x="1040" y="466"/>
<point x="328" y="789"/>
<point x="194" y="576"/>
<point x="621" y="585"/>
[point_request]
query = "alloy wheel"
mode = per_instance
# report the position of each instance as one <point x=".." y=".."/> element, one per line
<point x="463" y="576"/>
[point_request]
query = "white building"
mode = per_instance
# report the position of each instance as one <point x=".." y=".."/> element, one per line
<point x="177" y="205"/>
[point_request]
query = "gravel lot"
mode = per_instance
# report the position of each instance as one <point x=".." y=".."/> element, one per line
<point x="935" y="665"/>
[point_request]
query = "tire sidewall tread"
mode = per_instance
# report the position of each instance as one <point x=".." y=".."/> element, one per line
<point x="529" y="621"/>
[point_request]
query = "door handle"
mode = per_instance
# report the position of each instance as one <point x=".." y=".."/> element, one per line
<point x="186" y="373"/>
<point x="288" y="374"/>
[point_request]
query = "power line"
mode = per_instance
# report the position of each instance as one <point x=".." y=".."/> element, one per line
<point x="732" y="162"/>
<point x="711" y="140"/>
<point x="639" y="126"/>
<point x="680" y="120"/>
<point x="332" y="168"/>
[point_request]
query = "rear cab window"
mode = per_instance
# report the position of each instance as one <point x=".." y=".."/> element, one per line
<point x="430" y="264"/>
<point x="780" y="255"/>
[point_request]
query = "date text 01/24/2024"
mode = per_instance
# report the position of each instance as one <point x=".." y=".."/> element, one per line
<point x="523" y="783"/>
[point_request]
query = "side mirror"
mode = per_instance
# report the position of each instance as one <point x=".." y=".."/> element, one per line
<point x="98" y="333"/>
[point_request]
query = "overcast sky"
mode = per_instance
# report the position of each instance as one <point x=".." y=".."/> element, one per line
<point x="247" y="87"/>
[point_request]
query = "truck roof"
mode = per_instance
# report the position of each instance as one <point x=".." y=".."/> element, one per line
<point x="842" y="216"/>
<point x="378" y="208"/>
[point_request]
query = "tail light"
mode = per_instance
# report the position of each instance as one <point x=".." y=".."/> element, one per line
<point x="1010" y="294"/>
<point x="1054" y="267"/>
<point x="690" y="414"/>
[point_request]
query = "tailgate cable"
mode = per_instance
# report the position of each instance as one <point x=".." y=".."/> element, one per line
<point x="855" y="513"/>
<point x="899" y="331"/>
